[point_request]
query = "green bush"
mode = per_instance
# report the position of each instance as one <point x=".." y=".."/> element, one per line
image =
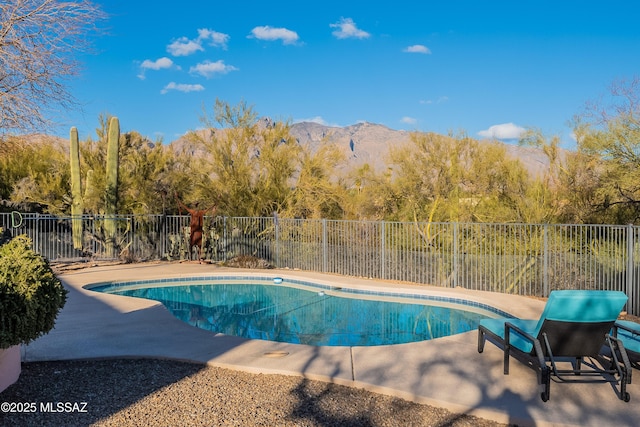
<point x="30" y="294"/>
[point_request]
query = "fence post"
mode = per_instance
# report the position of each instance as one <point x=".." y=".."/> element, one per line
<point x="276" y="227"/>
<point x="164" y="245"/>
<point x="132" y="240"/>
<point x="36" y="236"/>
<point x="454" y="282"/>
<point x="630" y="267"/>
<point x="324" y="246"/>
<point x="224" y="233"/>
<point x="545" y="261"/>
<point x="382" y="250"/>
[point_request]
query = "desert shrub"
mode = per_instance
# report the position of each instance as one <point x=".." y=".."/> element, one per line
<point x="248" y="261"/>
<point x="30" y="294"/>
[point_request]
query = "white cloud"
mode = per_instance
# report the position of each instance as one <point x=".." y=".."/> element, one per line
<point x="417" y="48"/>
<point x="215" y="38"/>
<point x="503" y="131"/>
<point x="158" y="64"/>
<point x="184" y="47"/>
<point x="181" y="87"/>
<point x="346" y="28"/>
<point x="270" y="34"/>
<point x="317" y="119"/>
<point x="208" y="69"/>
<point x="409" y="120"/>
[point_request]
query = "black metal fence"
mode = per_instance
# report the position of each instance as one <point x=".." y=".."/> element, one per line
<point x="523" y="259"/>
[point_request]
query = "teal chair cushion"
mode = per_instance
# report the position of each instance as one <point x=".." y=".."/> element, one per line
<point x="630" y="340"/>
<point x="583" y="306"/>
<point x="497" y="327"/>
<point x="576" y="306"/>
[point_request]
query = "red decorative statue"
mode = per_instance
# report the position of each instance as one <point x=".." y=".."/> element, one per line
<point x="196" y="225"/>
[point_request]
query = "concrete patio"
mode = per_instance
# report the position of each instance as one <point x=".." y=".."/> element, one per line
<point x="446" y="372"/>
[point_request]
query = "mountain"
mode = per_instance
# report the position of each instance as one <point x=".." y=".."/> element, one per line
<point x="361" y="143"/>
<point x="370" y="143"/>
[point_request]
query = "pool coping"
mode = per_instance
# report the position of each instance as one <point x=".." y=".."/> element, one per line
<point x="446" y="372"/>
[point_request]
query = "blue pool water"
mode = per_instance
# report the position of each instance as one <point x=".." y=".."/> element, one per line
<point x="305" y="313"/>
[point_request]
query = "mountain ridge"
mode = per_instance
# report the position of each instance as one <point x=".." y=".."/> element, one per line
<point x="367" y="142"/>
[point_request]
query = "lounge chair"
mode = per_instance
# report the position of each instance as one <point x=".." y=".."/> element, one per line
<point x="574" y="325"/>
<point x="629" y="333"/>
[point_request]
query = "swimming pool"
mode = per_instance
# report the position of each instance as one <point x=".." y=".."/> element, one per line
<point x="302" y="312"/>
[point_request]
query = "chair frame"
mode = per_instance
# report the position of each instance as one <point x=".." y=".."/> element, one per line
<point x="544" y="360"/>
<point x="634" y="356"/>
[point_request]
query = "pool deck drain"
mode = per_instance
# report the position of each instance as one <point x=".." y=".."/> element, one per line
<point x="446" y="372"/>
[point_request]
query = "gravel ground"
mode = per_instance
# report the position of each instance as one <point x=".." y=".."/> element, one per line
<point x="150" y="392"/>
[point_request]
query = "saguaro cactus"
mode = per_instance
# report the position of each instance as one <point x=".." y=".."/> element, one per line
<point x="111" y="191"/>
<point x="77" y="205"/>
<point x="89" y="188"/>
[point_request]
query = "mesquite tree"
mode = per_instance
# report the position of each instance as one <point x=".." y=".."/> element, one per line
<point x="38" y="40"/>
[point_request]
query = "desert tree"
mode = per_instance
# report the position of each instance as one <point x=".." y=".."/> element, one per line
<point x="570" y="183"/>
<point x="243" y="165"/>
<point x="319" y="191"/>
<point x="608" y="134"/>
<point x="38" y="43"/>
<point x="34" y="174"/>
<point x="372" y="195"/>
<point x="455" y="178"/>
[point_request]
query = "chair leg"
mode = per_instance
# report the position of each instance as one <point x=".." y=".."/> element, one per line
<point x="481" y="340"/>
<point x="545" y="380"/>
<point x="622" y="364"/>
<point x="507" y="349"/>
<point x="506" y="358"/>
<point x="624" y="394"/>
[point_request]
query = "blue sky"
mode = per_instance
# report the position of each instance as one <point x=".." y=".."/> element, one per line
<point x="480" y="67"/>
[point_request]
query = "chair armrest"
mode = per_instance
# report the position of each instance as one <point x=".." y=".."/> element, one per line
<point x="524" y="334"/>
<point x="633" y="331"/>
<point x="537" y="346"/>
